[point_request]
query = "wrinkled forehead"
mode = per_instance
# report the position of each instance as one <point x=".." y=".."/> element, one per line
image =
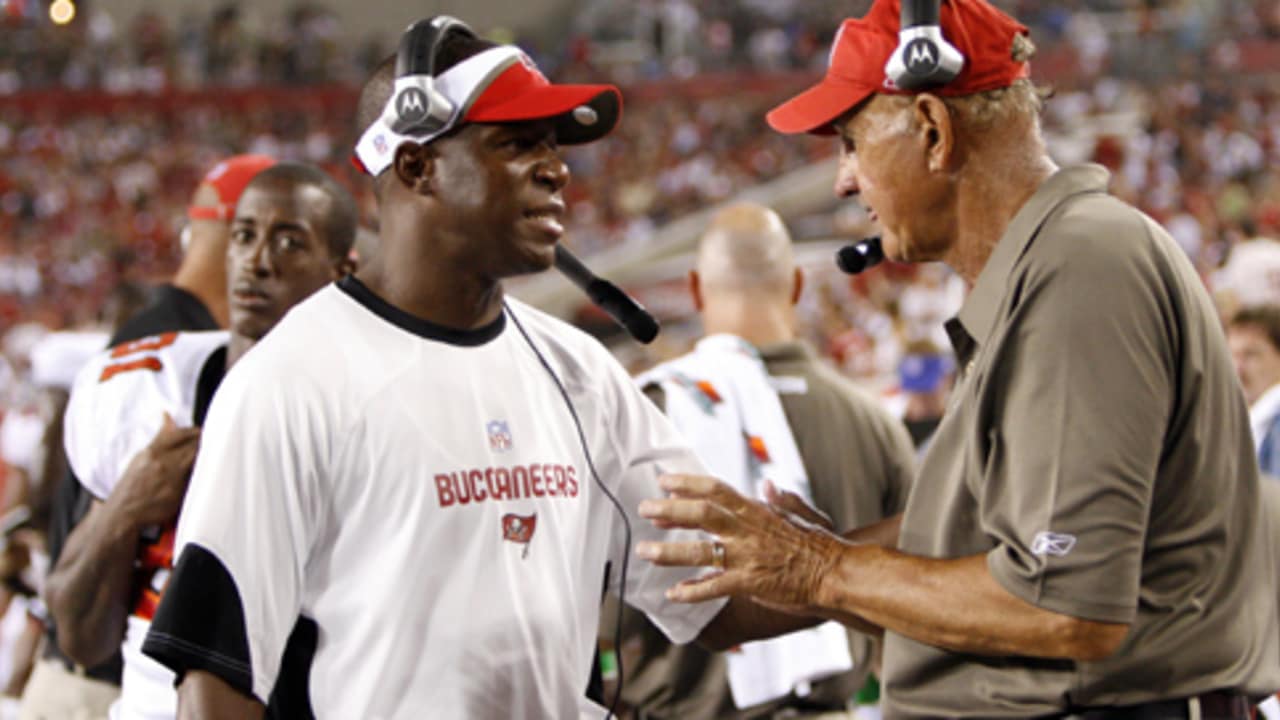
<point x="877" y="110"/>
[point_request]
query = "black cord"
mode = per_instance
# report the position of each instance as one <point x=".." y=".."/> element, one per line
<point x="626" y="522"/>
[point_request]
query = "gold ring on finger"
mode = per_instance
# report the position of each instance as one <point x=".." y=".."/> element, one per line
<point x="717" y="555"/>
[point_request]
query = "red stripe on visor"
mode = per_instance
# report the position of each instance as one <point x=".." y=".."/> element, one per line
<point x="583" y="112"/>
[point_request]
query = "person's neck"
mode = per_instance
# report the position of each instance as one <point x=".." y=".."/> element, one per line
<point x="987" y="201"/>
<point x="429" y="286"/>
<point x="203" y="274"/>
<point x="758" y="324"/>
<point x="237" y="347"/>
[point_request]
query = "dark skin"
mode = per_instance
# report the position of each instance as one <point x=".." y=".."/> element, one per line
<point x="457" y="216"/>
<point x="89" y="590"/>
<point x="278" y="255"/>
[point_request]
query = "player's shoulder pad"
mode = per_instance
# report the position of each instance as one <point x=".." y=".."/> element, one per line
<point x="120" y="397"/>
<point x="158" y="372"/>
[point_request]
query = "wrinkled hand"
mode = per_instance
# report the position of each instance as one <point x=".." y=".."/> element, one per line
<point x="151" y="490"/>
<point x="767" y="556"/>
<point x="794" y="508"/>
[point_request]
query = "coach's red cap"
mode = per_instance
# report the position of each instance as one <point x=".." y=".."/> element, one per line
<point x="228" y="179"/>
<point x="862" y="47"/>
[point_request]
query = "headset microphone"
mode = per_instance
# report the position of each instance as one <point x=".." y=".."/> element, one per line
<point x="923" y="58"/>
<point x="608" y="297"/>
<point x="859" y="256"/>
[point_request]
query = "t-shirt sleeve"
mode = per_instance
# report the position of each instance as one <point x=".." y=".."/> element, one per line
<point x="244" y="532"/>
<point x="646" y="445"/>
<point x="1077" y="424"/>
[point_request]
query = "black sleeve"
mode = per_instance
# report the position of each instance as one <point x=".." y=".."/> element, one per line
<point x="200" y="626"/>
<point x="200" y="622"/>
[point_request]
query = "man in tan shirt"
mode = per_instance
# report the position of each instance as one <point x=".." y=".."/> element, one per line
<point x="1084" y="536"/>
<point x="857" y="456"/>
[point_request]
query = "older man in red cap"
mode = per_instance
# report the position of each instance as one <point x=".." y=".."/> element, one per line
<point x="1083" y="537"/>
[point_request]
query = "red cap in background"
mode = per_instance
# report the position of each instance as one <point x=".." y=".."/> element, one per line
<point x="229" y="178"/>
<point x="862" y="47"/>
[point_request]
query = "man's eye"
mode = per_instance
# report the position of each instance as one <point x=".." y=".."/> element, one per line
<point x="242" y="236"/>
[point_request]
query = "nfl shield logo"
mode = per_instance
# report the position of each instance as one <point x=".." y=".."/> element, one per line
<point x="499" y="435"/>
<point x="380" y="143"/>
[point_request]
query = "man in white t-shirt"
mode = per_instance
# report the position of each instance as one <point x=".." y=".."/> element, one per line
<point x="429" y="475"/>
<point x="131" y="428"/>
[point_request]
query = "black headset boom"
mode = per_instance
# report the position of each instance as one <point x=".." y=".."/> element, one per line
<point x="420" y="109"/>
<point x="923" y="58"/>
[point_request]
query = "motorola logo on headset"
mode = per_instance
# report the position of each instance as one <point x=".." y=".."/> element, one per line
<point x="922" y="56"/>
<point x="411" y="105"/>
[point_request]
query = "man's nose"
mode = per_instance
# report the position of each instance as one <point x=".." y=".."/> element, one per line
<point x="258" y="260"/>
<point x="552" y="170"/>
<point x="847" y="176"/>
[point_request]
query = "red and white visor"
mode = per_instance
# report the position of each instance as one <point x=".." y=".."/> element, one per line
<point x="499" y="85"/>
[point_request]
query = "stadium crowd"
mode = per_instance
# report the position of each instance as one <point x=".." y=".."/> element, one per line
<point x="107" y="125"/>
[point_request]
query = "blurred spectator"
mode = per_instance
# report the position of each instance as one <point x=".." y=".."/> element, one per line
<point x="91" y="193"/>
<point x="924" y="379"/>
<point x="1253" y="334"/>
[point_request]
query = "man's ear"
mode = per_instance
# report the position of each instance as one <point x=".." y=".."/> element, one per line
<point x="414" y="165"/>
<point x="937" y="131"/>
<point x="346" y="266"/>
<point x="695" y="290"/>
<point x="798" y="286"/>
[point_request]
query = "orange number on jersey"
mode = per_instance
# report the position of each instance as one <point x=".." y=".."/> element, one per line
<point x="147" y="344"/>
<point x="147" y="363"/>
<point x="155" y="342"/>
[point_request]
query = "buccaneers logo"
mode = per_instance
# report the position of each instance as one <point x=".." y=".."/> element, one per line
<point x="519" y="529"/>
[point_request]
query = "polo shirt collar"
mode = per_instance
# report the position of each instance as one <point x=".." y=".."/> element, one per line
<point x="787" y="351"/>
<point x="978" y="314"/>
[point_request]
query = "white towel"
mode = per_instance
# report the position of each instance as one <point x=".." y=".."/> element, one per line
<point x="724" y="403"/>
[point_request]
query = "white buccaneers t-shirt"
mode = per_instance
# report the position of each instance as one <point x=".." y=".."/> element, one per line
<point x="117" y="405"/>
<point x="421" y="497"/>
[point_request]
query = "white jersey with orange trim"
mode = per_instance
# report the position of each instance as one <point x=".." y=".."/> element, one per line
<point x="418" y="495"/>
<point x="118" y="404"/>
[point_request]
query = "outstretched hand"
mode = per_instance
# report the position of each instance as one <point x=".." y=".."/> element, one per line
<point x="768" y="556"/>
<point x="795" y="509"/>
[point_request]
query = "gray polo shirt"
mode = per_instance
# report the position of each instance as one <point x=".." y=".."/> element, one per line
<point x="1097" y="451"/>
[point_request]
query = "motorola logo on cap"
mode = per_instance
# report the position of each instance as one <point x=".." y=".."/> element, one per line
<point x="411" y="105"/>
<point x="921" y="55"/>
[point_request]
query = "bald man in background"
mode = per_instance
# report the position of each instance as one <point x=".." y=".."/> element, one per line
<point x="857" y="458"/>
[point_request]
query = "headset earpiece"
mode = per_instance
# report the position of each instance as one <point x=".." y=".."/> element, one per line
<point x="924" y="58"/>
<point x="419" y="108"/>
